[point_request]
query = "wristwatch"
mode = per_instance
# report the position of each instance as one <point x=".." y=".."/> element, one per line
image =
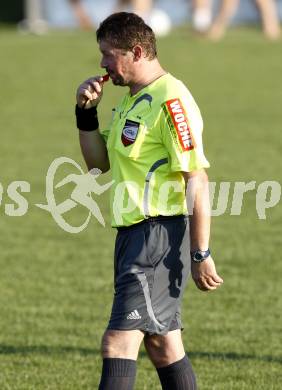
<point x="198" y="256"/>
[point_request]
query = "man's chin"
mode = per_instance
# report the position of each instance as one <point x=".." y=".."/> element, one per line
<point x="118" y="81"/>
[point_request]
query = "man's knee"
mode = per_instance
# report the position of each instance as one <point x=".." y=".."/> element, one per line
<point x="108" y="346"/>
<point x="157" y="352"/>
<point x="121" y="344"/>
<point x="165" y="350"/>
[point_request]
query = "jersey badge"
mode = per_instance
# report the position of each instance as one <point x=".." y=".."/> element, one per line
<point x="129" y="132"/>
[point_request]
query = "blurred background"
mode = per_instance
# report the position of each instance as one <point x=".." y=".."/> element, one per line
<point x="40" y="14"/>
<point x="56" y="287"/>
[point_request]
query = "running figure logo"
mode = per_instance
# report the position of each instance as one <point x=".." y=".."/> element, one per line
<point x="86" y="184"/>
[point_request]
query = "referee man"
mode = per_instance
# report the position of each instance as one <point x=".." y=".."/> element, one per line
<point x="153" y="147"/>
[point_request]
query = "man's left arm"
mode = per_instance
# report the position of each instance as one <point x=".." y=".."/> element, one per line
<point x="203" y="273"/>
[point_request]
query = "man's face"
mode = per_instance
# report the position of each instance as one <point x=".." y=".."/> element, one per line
<point x="117" y="62"/>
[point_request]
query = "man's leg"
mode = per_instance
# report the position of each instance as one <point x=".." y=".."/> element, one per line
<point x="119" y="352"/>
<point x="270" y="19"/>
<point x="225" y="14"/>
<point x="81" y="15"/>
<point x="168" y="356"/>
<point x="202" y="15"/>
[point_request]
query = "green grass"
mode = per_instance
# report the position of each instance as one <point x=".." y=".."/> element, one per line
<point x="56" y="288"/>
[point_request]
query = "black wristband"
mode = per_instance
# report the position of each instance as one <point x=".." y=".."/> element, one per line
<point x="86" y="120"/>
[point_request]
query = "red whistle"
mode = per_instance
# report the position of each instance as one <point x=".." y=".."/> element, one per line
<point x="106" y="78"/>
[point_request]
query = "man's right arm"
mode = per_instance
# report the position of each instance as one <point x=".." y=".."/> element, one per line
<point x="94" y="150"/>
<point x="92" y="144"/>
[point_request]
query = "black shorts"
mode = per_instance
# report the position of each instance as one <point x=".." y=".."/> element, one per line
<point x="152" y="265"/>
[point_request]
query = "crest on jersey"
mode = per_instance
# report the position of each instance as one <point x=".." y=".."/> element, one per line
<point x="129" y="132"/>
<point x="178" y="123"/>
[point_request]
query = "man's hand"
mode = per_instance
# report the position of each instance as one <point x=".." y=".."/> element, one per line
<point x="90" y="92"/>
<point x="204" y="275"/>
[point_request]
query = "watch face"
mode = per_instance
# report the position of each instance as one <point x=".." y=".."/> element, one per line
<point x="198" y="256"/>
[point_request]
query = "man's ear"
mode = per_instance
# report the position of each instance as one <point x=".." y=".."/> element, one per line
<point x="137" y="52"/>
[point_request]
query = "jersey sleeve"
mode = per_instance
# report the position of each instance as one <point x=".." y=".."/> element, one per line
<point x="106" y="131"/>
<point x="181" y="133"/>
<point x="105" y="134"/>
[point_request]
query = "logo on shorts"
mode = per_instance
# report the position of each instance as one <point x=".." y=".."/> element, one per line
<point x="134" y="315"/>
<point x="129" y="132"/>
<point x="180" y="123"/>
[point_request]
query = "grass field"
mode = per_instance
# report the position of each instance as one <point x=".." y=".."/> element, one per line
<point x="56" y="287"/>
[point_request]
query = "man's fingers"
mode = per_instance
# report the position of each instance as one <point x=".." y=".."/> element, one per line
<point x="84" y="92"/>
<point x="96" y="82"/>
<point x="97" y="86"/>
<point x="85" y="97"/>
<point x="204" y="286"/>
<point x="217" y="279"/>
<point x="93" y="86"/>
<point x="199" y="285"/>
<point x="213" y="280"/>
<point x="88" y="94"/>
<point x="206" y="283"/>
<point x="98" y="79"/>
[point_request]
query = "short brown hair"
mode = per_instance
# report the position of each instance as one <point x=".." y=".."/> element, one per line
<point x="124" y="30"/>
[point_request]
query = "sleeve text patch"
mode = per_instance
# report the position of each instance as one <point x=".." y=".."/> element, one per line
<point x="180" y="123"/>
